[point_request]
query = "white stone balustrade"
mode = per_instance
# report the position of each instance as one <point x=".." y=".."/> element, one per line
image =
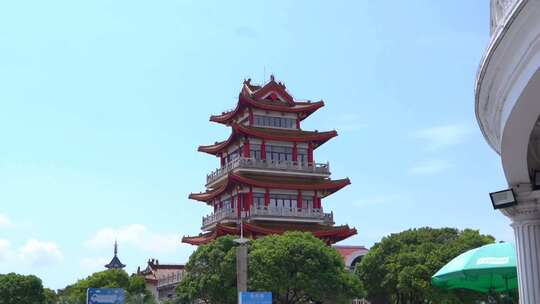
<point x="219" y="215"/>
<point x="286" y="165"/>
<point x="254" y="212"/>
<point x="170" y="279"/>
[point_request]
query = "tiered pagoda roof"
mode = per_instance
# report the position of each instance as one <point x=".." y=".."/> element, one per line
<point x="271" y="97"/>
<point x="115" y="262"/>
<point x="317" y="138"/>
<point x="264" y="181"/>
<point x="329" y="234"/>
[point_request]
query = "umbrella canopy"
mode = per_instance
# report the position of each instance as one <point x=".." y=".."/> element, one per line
<point x="486" y="269"/>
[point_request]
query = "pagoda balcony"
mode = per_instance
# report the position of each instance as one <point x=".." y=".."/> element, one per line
<point x="285" y="166"/>
<point x="269" y="214"/>
<point x="171" y="279"/>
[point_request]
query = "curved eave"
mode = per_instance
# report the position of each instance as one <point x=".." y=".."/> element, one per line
<point x="218" y="146"/>
<point x="496" y="39"/>
<point x="318" y="137"/>
<point x="209" y="195"/>
<point x="304" y="108"/>
<point x="200" y="239"/>
<point x="333" y="235"/>
<point x="331" y="186"/>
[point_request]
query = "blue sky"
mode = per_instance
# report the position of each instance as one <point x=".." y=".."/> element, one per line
<point x="103" y="103"/>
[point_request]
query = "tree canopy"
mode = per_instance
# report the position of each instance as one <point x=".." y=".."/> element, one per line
<point x="134" y="286"/>
<point x="399" y="268"/>
<point x="296" y="267"/>
<point x="211" y="274"/>
<point x="299" y="268"/>
<point x="21" y="289"/>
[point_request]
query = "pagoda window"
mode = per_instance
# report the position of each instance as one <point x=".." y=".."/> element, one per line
<point x="233" y="155"/>
<point x="307" y="203"/>
<point x="302" y="155"/>
<point x="278" y="153"/>
<point x="274" y="122"/>
<point x="278" y="201"/>
<point x="255" y="151"/>
<point x="226" y="203"/>
<point x="258" y="200"/>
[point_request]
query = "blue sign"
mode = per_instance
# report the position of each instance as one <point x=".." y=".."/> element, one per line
<point x="249" y="297"/>
<point x="105" y="296"/>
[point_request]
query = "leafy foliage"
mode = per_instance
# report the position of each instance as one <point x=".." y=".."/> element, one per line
<point x="21" y="289"/>
<point x="296" y="267"/>
<point x="211" y="274"/>
<point x="299" y="268"/>
<point x="114" y="278"/>
<point x="50" y="296"/>
<point x="399" y="268"/>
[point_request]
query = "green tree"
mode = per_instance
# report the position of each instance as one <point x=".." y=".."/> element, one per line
<point x="296" y="267"/>
<point x="299" y="268"/>
<point x="114" y="278"/>
<point x="50" y="296"/>
<point x="398" y="269"/>
<point x="211" y="274"/>
<point x="21" y="289"/>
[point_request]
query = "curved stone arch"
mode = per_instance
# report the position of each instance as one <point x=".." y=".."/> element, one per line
<point x="354" y="256"/>
<point x="507" y="82"/>
<point x="517" y="131"/>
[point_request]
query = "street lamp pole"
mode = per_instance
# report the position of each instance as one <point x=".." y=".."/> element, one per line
<point x="241" y="259"/>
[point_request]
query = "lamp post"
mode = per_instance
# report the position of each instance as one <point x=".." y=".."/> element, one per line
<point x="241" y="258"/>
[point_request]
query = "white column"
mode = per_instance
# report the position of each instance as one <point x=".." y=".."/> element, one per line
<point x="528" y="249"/>
<point x="525" y="218"/>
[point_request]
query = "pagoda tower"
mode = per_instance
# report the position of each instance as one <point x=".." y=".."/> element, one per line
<point x="268" y="181"/>
<point x="115" y="262"/>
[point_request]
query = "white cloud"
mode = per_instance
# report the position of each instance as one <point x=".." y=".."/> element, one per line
<point x="135" y="235"/>
<point x="443" y="136"/>
<point x="40" y="253"/>
<point x="430" y="167"/>
<point x="5" y="221"/>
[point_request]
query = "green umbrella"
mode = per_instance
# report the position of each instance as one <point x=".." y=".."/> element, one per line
<point x="490" y="268"/>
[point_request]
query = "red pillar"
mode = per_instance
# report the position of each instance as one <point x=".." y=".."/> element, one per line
<point x="250" y="115"/>
<point x="294" y="152"/>
<point x="222" y="160"/>
<point x="263" y="150"/>
<point x="246" y="148"/>
<point x="215" y="205"/>
<point x="298" y="122"/>
<point x="315" y="201"/>
<point x="310" y="153"/>
<point x="267" y="198"/>
<point x="299" y="200"/>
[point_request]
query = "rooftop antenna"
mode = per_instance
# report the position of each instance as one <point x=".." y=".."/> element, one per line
<point x="264" y="75"/>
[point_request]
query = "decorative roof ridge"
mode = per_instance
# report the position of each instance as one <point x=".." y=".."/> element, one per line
<point x="245" y="100"/>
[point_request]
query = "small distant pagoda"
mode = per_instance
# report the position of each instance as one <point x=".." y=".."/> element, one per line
<point x="115" y="262"/>
<point x="268" y="181"/>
